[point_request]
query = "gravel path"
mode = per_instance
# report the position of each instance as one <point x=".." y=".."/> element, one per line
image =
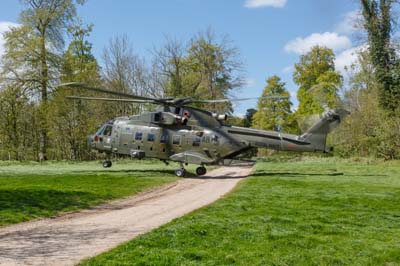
<point x="67" y="239"/>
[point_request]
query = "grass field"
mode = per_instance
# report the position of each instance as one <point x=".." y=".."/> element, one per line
<point x="32" y="190"/>
<point x="314" y="212"/>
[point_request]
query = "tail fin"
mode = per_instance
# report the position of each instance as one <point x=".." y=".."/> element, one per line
<point x="318" y="132"/>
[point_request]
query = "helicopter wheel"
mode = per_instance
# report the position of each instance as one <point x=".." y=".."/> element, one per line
<point x="180" y="172"/>
<point x="107" y="164"/>
<point x="201" y="170"/>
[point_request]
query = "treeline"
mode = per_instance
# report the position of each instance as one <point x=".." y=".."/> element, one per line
<point x="372" y="95"/>
<point x="51" y="47"/>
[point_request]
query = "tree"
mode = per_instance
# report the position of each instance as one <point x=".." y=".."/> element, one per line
<point x="73" y="120"/>
<point x="207" y="68"/>
<point x="248" y="117"/>
<point x="124" y="71"/>
<point x="318" y="81"/>
<point x="31" y="51"/>
<point x="171" y="67"/>
<point x="78" y="62"/>
<point x="378" y="24"/>
<point x="11" y="106"/>
<point x="274" y="114"/>
<point x="215" y="67"/>
<point x="367" y="131"/>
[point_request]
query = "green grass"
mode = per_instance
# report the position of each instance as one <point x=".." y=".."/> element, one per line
<point x="32" y="190"/>
<point x="315" y="212"/>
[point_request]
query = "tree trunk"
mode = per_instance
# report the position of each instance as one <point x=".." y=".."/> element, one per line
<point x="44" y="98"/>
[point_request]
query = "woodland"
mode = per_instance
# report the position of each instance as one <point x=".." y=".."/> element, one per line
<point x="50" y="46"/>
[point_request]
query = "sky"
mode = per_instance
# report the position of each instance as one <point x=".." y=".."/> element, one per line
<point x="271" y="35"/>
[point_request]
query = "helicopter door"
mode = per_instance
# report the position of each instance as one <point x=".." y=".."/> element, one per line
<point x="125" y="140"/>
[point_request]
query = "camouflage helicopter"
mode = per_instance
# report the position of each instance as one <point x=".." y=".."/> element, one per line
<point x="181" y="133"/>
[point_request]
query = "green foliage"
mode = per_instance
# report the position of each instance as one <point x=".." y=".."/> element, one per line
<point x="378" y="20"/>
<point x="235" y="121"/>
<point x="208" y="69"/>
<point x="215" y="68"/>
<point x="318" y="81"/>
<point x="274" y="114"/>
<point x="369" y="130"/>
<point x="72" y="121"/>
<point x="16" y="121"/>
<point x="31" y="58"/>
<point x="307" y="212"/>
<point x="248" y="118"/>
<point x="79" y="64"/>
<point x="60" y="187"/>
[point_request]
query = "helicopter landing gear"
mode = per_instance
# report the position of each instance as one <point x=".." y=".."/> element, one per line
<point x="201" y="170"/>
<point x="181" y="172"/>
<point x="107" y="164"/>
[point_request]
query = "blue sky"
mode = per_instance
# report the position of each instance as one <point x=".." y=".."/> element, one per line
<point x="270" y="34"/>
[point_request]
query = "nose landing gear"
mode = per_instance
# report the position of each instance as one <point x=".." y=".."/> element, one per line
<point x="107" y="164"/>
<point x="181" y="172"/>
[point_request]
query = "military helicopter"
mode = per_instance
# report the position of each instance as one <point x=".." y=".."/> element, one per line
<point x="181" y="133"/>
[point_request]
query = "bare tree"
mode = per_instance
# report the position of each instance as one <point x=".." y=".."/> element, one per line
<point x="124" y="71"/>
<point x="169" y="66"/>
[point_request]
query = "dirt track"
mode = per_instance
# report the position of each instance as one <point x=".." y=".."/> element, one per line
<point x="68" y="239"/>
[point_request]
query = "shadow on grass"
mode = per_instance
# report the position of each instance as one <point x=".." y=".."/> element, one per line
<point x="142" y="171"/>
<point x="17" y="205"/>
<point x="294" y="174"/>
<point x="171" y="172"/>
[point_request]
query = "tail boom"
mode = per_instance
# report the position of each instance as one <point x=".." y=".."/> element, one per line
<point x="313" y="140"/>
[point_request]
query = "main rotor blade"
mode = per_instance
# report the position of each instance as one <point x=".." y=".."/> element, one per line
<point x="117" y="93"/>
<point x="109" y="99"/>
<point x="235" y="100"/>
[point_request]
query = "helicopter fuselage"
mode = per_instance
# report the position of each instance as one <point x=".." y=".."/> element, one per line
<point x="189" y="135"/>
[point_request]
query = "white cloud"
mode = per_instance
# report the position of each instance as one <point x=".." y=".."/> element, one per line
<point x="349" y="23"/>
<point x="348" y="58"/>
<point x="264" y="3"/>
<point x="4" y="26"/>
<point x="329" y="39"/>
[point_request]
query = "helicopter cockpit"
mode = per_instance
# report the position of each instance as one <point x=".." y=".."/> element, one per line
<point x="101" y="139"/>
<point x="105" y="130"/>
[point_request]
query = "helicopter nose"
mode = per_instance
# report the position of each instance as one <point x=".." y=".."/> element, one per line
<point x="90" y="142"/>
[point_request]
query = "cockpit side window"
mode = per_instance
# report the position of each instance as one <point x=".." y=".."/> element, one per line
<point x="100" y="130"/>
<point x="107" y="131"/>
